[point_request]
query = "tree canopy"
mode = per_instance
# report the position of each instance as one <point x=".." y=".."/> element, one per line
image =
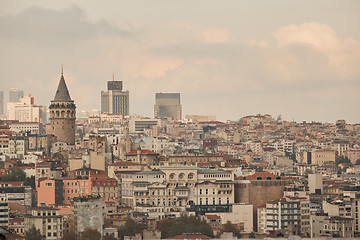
<point x="229" y="227"/>
<point x="33" y="234"/>
<point x="70" y="235"/>
<point x="184" y="224"/>
<point x="109" y="237"/>
<point x="130" y="228"/>
<point x="14" y="174"/>
<point x="90" y="234"/>
<point x="341" y="159"/>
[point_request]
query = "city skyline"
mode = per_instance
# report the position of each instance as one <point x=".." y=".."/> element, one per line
<point x="276" y="57"/>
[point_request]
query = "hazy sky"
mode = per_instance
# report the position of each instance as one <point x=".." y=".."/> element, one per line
<point x="300" y="59"/>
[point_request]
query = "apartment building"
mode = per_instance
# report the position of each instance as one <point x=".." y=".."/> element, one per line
<point x="28" y="127"/>
<point x="75" y="187"/>
<point x="319" y="157"/>
<point x="283" y="214"/>
<point x="194" y="159"/>
<point x="4" y="211"/>
<point x="16" y="225"/>
<point x="105" y="187"/>
<point x="50" y="192"/>
<point x="48" y="220"/>
<point x="16" y="192"/>
<point x="89" y="213"/>
<point x="46" y="170"/>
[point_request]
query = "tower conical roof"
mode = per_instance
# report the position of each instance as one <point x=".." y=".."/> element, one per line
<point x="62" y="93"/>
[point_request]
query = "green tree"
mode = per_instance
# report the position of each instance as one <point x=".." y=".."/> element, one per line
<point x="33" y="234"/>
<point x="229" y="227"/>
<point x="90" y="234"/>
<point x="14" y="174"/>
<point x="341" y="159"/>
<point x="30" y="181"/>
<point x="130" y="228"/>
<point x="357" y="162"/>
<point x="291" y="156"/>
<point x="252" y="235"/>
<point x="184" y="224"/>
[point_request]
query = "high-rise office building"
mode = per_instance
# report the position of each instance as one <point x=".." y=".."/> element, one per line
<point x="1" y="103"/>
<point x="15" y="95"/>
<point x="62" y="115"/>
<point x="115" y="100"/>
<point x="167" y="106"/>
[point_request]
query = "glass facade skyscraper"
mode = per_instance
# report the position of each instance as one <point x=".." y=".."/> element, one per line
<point x="167" y="106"/>
<point x="15" y="95"/>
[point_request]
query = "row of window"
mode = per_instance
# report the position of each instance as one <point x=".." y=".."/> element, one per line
<point x="49" y="213"/>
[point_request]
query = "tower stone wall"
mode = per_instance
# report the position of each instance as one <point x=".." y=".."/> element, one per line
<point x="62" y="115"/>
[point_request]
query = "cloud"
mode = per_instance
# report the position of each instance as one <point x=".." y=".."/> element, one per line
<point x="342" y="53"/>
<point x="215" y="35"/>
<point x="48" y="26"/>
<point x="258" y="43"/>
<point x="214" y="72"/>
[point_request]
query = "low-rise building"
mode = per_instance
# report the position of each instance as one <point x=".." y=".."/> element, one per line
<point x="16" y="225"/>
<point x="334" y="226"/>
<point x="172" y="190"/>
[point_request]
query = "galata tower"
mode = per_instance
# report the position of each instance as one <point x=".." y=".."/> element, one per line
<point x="62" y="114"/>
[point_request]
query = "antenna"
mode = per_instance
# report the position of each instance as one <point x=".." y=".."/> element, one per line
<point x="62" y="69"/>
<point x="113" y="77"/>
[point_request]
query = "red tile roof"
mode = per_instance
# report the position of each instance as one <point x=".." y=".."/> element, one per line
<point x="143" y="151"/>
<point x="14" y="184"/>
<point x="212" y="216"/>
<point x="190" y="236"/>
<point x="125" y="163"/>
<point x="262" y="175"/>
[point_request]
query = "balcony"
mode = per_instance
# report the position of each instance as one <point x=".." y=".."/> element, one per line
<point x="183" y="193"/>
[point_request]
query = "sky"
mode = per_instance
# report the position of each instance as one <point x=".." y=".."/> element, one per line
<point x="297" y="59"/>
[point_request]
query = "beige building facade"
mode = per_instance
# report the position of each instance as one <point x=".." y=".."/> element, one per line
<point x="47" y="220"/>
